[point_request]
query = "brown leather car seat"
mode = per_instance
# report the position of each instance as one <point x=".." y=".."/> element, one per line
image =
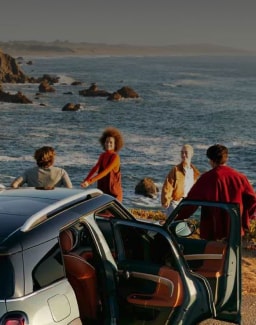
<point x="213" y="268"/>
<point x="82" y="277"/>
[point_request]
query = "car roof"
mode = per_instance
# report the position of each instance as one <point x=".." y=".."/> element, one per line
<point x="22" y="208"/>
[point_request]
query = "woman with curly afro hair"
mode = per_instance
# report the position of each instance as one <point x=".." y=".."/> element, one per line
<point x="107" y="172"/>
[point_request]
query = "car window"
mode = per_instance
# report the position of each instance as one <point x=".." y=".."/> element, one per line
<point x="105" y="219"/>
<point x="141" y="245"/>
<point x="114" y="212"/>
<point x="6" y="277"/>
<point x="51" y="261"/>
<point x="211" y="222"/>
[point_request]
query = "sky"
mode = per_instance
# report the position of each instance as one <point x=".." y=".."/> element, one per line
<point x="135" y="22"/>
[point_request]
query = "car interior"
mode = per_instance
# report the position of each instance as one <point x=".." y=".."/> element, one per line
<point x="145" y="284"/>
<point x="149" y="284"/>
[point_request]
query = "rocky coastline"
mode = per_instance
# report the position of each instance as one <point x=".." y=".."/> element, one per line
<point x="39" y="49"/>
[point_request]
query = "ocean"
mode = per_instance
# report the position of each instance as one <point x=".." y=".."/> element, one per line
<point x="200" y="100"/>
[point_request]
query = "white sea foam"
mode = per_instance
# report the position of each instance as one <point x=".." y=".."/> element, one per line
<point x="64" y="79"/>
<point x="23" y="158"/>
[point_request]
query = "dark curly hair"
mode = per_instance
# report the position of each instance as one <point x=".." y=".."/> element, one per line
<point x="44" y="156"/>
<point x="114" y="133"/>
<point x="218" y="154"/>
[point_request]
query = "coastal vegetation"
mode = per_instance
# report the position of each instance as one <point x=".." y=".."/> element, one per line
<point x="61" y="48"/>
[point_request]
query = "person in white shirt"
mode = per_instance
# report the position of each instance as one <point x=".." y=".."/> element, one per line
<point x="179" y="180"/>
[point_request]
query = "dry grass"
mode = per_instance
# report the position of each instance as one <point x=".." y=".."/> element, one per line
<point x="148" y="214"/>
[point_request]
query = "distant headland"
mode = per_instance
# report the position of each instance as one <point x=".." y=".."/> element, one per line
<point x="66" y="48"/>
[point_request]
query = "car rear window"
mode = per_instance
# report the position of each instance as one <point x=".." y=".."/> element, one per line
<point x="6" y="278"/>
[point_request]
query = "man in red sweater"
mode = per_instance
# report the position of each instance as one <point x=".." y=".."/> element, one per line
<point x="224" y="184"/>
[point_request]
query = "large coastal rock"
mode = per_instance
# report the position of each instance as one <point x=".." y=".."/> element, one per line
<point x="71" y="107"/>
<point x="10" y="72"/>
<point x="127" y="92"/>
<point x="124" y="92"/>
<point x="147" y="187"/>
<point x="93" y="91"/>
<point x="14" y="98"/>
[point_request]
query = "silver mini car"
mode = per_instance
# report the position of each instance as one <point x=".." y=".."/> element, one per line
<point x="74" y="256"/>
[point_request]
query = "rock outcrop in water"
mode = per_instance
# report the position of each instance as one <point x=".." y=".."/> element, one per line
<point x="46" y="87"/>
<point x="10" y="71"/>
<point x="124" y="92"/>
<point x="147" y="187"/>
<point x="93" y="91"/>
<point x="18" y="98"/>
<point x="71" y="107"/>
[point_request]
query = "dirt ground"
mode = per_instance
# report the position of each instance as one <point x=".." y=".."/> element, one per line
<point x="249" y="272"/>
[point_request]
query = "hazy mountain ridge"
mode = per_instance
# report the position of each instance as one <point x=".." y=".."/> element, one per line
<point x="68" y="48"/>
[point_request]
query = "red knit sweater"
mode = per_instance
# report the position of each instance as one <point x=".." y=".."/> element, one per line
<point x="108" y="174"/>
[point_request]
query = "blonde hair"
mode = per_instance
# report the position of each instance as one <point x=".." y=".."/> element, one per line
<point x="189" y="148"/>
<point x="44" y="156"/>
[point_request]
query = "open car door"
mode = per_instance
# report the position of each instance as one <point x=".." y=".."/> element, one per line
<point x="154" y="284"/>
<point x="212" y="250"/>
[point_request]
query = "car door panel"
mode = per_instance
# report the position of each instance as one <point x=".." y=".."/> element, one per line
<point x="151" y="287"/>
<point x="219" y="261"/>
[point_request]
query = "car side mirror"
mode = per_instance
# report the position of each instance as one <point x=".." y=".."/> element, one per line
<point x="184" y="229"/>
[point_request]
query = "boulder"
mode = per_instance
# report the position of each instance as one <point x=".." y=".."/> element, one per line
<point x="93" y="91"/>
<point x="127" y="92"/>
<point x="114" y="96"/>
<point x="45" y="87"/>
<point x="71" y="107"/>
<point x="51" y="79"/>
<point x="147" y="187"/>
<point x="76" y="83"/>
<point x="124" y="92"/>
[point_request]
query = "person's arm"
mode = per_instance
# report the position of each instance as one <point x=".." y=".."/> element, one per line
<point x="167" y="189"/>
<point x="94" y="169"/>
<point x="113" y="163"/>
<point x="17" y="182"/>
<point x="66" y="180"/>
<point x="249" y="205"/>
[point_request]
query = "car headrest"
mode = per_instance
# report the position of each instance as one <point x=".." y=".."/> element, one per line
<point x="67" y="241"/>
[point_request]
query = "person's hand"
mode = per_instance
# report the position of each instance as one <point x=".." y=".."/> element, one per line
<point x="84" y="184"/>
